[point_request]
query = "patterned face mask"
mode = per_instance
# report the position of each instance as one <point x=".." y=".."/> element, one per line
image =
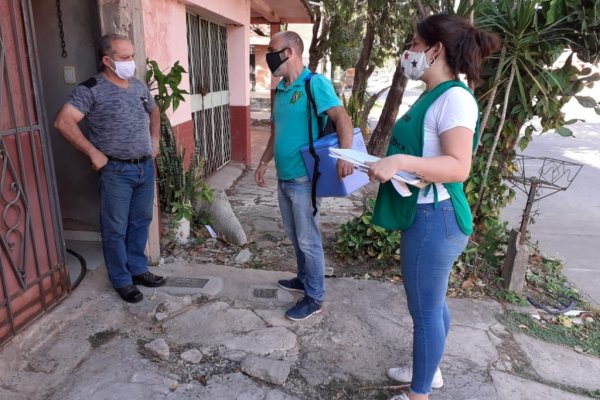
<point x="414" y="63"/>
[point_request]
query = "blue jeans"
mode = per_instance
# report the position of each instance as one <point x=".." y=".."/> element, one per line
<point x="303" y="231"/>
<point x="428" y="250"/>
<point x="126" y="197"/>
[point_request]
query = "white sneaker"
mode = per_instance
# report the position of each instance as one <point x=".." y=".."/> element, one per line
<point x="404" y="374"/>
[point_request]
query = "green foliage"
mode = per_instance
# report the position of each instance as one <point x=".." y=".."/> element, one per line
<point x="546" y="280"/>
<point x="360" y="237"/>
<point x="166" y="85"/>
<point x="534" y="40"/>
<point x="182" y="210"/>
<point x="511" y="297"/>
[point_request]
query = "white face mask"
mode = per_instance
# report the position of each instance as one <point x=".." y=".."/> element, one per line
<point x="124" y="69"/>
<point x="414" y="64"/>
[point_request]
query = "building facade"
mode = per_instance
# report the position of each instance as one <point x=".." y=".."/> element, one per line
<point x="48" y="191"/>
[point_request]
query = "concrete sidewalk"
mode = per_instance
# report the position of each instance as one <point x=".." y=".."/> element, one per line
<point x="94" y="346"/>
<point x="217" y="333"/>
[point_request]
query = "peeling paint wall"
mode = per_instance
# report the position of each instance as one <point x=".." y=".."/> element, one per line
<point x="126" y="18"/>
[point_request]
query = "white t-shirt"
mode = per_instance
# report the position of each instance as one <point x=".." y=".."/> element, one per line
<point x="455" y="107"/>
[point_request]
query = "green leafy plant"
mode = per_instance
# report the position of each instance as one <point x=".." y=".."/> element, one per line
<point x="182" y="210"/>
<point x="177" y="185"/>
<point x="170" y="171"/>
<point x="359" y="237"/>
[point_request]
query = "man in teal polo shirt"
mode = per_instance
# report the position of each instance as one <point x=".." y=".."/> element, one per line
<point x="290" y="119"/>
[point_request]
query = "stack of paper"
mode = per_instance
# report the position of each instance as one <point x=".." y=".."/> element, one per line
<point x="360" y="159"/>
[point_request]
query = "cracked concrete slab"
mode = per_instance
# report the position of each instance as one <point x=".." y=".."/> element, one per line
<point x="208" y="324"/>
<point x="515" y="388"/>
<point x="562" y="365"/>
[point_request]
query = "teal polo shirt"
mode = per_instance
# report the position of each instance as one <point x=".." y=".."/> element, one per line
<point x="290" y="116"/>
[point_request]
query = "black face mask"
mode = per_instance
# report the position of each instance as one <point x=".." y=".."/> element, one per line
<point x="274" y="60"/>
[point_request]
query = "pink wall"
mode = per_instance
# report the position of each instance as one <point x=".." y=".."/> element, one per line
<point x="166" y="41"/>
<point x="165" y="35"/>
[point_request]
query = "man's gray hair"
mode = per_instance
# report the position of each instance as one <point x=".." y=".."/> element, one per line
<point x="106" y="42"/>
<point x="292" y="39"/>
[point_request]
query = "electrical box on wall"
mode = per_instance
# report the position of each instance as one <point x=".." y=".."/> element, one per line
<point x="69" y="74"/>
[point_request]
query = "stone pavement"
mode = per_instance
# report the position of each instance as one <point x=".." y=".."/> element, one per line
<point x="96" y="347"/>
<point x="218" y="332"/>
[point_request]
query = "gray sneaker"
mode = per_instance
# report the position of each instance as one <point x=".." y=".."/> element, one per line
<point x="293" y="285"/>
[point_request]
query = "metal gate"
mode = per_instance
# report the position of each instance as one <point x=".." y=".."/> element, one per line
<point x="209" y="89"/>
<point x="33" y="277"/>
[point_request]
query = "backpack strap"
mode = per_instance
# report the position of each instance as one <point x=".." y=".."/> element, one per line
<point x="311" y="146"/>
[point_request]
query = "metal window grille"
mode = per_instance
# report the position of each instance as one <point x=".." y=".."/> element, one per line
<point x="209" y="84"/>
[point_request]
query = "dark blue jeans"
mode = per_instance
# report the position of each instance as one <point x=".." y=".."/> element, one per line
<point x="302" y="229"/>
<point x="428" y="250"/>
<point x="126" y="197"/>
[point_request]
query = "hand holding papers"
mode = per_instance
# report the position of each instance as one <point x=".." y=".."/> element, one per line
<point x="360" y="160"/>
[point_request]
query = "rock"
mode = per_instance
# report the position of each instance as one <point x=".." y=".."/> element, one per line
<point x="160" y="316"/>
<point x="193" y="356"/>
<point x="225" y="221"/>
<point x="272" y="371"/>
<point x="236" y="356"/>
<point x="243" y="257"/>
<point x="159" y="348"/>
<point x="329" y="271"/>
<point x="262" y="341"/>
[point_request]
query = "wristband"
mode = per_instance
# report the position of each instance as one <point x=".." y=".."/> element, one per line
<point x="266" y="164"/>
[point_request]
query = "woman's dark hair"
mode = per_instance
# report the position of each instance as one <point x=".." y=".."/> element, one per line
<point x="465" y="46"/>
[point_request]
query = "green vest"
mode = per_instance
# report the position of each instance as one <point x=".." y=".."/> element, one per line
<point x="393" y="211"/>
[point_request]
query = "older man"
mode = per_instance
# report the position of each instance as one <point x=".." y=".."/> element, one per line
<point x="124" y="125"/>
<point x="290" y="118"/>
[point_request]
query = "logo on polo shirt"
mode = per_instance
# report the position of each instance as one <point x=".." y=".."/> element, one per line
<point x="296" y="96"/>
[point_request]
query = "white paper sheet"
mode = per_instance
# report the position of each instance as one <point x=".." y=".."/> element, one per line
<point x="359" y="160"/>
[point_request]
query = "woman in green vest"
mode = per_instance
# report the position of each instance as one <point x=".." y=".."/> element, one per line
<point x="434" y="140"/>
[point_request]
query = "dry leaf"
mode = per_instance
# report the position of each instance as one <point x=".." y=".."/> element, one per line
<point x="565" y="321"/>
<point x="469" y="283"/>
<point x="524" y="327"/>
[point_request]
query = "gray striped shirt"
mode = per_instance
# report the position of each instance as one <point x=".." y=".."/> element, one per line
<point x="118" y="119"/>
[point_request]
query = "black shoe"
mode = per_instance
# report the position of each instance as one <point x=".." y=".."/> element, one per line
<point x="130" y="294"/>
<point x="148" y="279"/>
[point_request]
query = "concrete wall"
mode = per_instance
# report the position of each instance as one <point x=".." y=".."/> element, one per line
<point x="77" y="182"/>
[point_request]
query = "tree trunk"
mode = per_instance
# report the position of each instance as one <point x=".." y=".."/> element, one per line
<point x="368" y="107"/>
<point x="362" y="70"/>
<point x="382" y="132"/>
<point x="315" y="50"/>
<point x="492" y="151"/>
